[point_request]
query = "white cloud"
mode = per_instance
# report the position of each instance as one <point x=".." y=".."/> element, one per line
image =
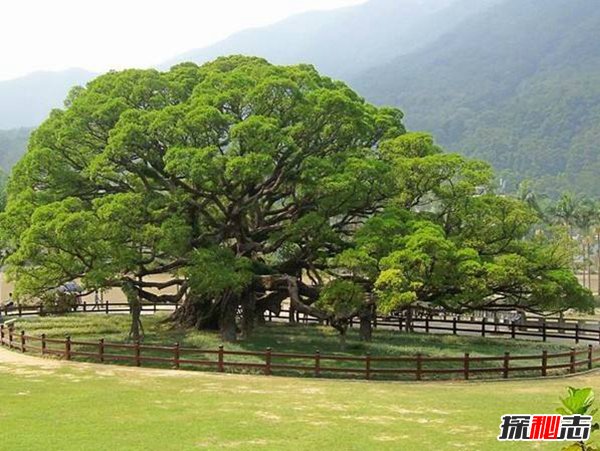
<point x="113" y="34"/>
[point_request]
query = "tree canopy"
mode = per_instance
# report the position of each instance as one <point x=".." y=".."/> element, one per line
<point x="250" y="183"/>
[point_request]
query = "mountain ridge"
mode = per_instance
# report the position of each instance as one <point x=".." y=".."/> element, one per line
<point x="26" y="101"/>
<point x="517" y="85"/>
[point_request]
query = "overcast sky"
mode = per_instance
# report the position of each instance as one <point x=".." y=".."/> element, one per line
<point x="113" y="34"/>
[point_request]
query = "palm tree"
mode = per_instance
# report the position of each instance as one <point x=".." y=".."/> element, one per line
<point x="585" y="215"/>
<point x="565" y="210"/>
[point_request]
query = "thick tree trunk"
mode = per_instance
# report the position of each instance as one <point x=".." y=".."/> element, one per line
<point x="248" y="302"/>
<point x="269" y="302"/>
<point x="366" y="328"/>
<point x="366" y="323"/>
<point x="228" y="309"/>
<point x="342" y="338"/>
<point x="409" y="319"/>
<point x="137" y="329"/>
<point x="196" y="312"/>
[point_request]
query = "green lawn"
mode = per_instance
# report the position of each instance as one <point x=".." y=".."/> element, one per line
<point x="49" y="405"/>
<point x="289" y="338"/>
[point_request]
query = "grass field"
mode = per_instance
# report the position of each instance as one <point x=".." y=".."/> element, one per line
<point x="51" y="405"/>
<point x="284" y="337"/>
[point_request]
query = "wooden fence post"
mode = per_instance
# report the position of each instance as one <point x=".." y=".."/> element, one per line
<point x="466" y="366"/>
<point x="483" y="326"/>
<point x="577" y="333"/>
<point x="590" y="357"/>
<point x="368" y="365"/>
<point x="20" y="309"/>
<point x="43" y="344"/>
<point x="268" y="362"/>
<point x="220" y="362"/>
<point x="101" y="350"/>
<point x="419" y="367"/>
<point x="427" y="324"/>
<point x="154" y="307"/>
<point x="176" y="351"/>
<point x="22" y="341"/>
<point x="84" y="306"/>
<point x="400" y="323"/>
<point x="572" y="361"/>
<point x="544" y="330"/>
<point x="270" y="316"/>
<point x="10" y="337"/>
<point x="513" y="330"/>
<point x="106" y="307"/>
<point x="2" y="334"/>
<point x="68" y="348"/>
<point x="454" y="331"/>
<point x="544" y="363"/>
<point x="138" y="361"/>
<point x="505" y="367"/>
<point x="317" y="363"/>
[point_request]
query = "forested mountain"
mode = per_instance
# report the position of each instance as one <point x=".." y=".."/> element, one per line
<point x="26" y="101"/>
<point x="517" y="85"/>
<point x="12" y="146"/>
<point x="347" y="41"/>
<point x="514" y="82"/>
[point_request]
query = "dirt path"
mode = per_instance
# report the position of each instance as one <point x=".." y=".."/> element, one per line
<point x="15" y="358"/>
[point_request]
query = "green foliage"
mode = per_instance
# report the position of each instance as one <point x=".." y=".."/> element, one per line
<point x="213" y="174"/>
<point x="220" y="174"/>
<point x="216" y="270"/>
<point x="341" y="298"/>
<point x="449" y="241"/>
<point x="579" y="401"/>
<point x="57" y="303"/>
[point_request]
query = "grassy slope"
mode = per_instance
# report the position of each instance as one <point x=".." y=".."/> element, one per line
<point x="91" y="407"/>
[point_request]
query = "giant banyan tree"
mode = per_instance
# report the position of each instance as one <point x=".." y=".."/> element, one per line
<point x="249" y="184"/>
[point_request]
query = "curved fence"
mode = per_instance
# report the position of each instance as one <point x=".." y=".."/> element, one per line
<point x="539" y="328"/>
<point x="269" y="362"/>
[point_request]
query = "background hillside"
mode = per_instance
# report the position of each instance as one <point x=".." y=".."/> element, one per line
<point x="26" y="101"/>
<point x="12" y="145"/>
<point x="517" y="85"/>
<point x="345" y="42"/>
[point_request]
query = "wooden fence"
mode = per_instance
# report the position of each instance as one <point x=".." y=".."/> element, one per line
<point x="269" y="362"/>
<point x="539" y="329"/>
<point x="482" y="327"/>
<point x="105" y="307"/>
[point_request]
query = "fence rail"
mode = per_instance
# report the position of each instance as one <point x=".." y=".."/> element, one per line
<point x="269" y="362"/>
<point x="540" y="328"/>
<point x="530" y="329"/>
